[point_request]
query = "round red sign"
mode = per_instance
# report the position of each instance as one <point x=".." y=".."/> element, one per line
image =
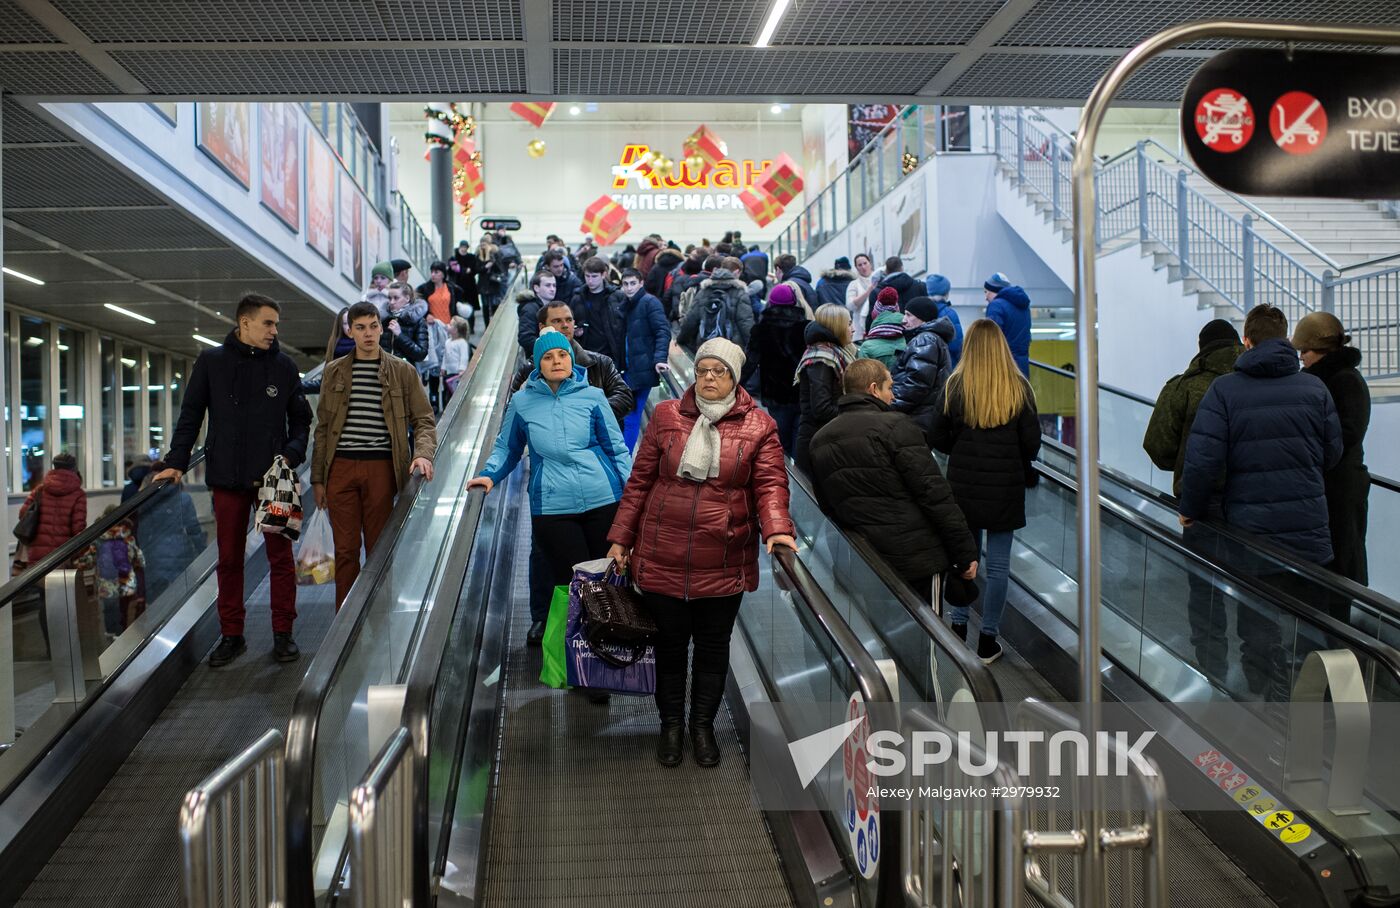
<point x="1224" y="120"/>
<point x="1298" y="123"/>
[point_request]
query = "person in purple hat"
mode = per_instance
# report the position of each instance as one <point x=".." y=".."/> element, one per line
<point x="777" y="344"/>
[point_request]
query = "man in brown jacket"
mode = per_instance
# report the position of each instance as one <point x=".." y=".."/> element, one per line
<point x="370" y="402"/>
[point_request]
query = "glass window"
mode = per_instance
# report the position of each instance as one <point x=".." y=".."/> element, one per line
<point x="110" y="408"/>
<point x="70" y="392"/>
<point x="33" y="378"/>
<point x="9" y="394"/>
<point x="155" y="376"/>
<point x="130" y="389"/>
<point x="177" y="390"/>
<point x="333" y="128"/>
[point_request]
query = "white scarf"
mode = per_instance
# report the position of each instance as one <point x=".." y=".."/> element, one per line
<point x="700" y="459"/>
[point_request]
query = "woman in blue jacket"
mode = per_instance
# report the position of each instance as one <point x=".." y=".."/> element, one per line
<point x="578" y="461"/>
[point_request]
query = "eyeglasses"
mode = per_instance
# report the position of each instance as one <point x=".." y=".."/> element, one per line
<point x="712" y="371"/>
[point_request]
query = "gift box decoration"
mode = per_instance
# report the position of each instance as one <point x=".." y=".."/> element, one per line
<point x="606" y="220"/>
<point x="782" y="179"/>
<point x="470" y="182"/>
<point x="533" y="112"/>
<point x="710" y="148"/>
<point x="462" y="152"/>
<point x="760" y="205"/>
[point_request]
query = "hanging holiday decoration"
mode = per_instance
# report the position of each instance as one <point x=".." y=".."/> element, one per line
<point x="694" y="165"/>
<point x="535" y="148"/>
<point x="533" y="112"/>
<point x="606" y="220"/>
<point x="760" y="205"/>
<point x="709" y="148"/>
<point x="444" y="125"/>
<point x="663" y="166"/>
<point x="467" y="183"/>
<point x="910" y="162"/>
<point x="782" y="179"/>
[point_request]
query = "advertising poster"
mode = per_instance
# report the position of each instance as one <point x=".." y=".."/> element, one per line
<point x="352" y="218"/>
<point x="280" y="160"/>
<point x="320" y="196"/>
<point x="868" y="236"/>
<point x="865" y="123"/>
<point x="222" y="132"/>
<point x="906" y="234"/>
<point x="376" y="240"/>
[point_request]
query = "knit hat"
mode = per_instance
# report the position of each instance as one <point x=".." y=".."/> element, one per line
<point x="922" y="308"/>
<point x="843" y="263"/>
<point x="887" y="300"/>
<point x="382" y="269"/>
<point x="782" y="295"/>
<point x="937" y="285"/>
<point x="726" y="351"/>
<point x="997" y="282"/>
<point x="1319" y="331"/>
<point x="1218" y="330"/>
<point x="551" y="339"/>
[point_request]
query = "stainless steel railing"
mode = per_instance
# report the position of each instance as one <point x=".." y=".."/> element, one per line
<point x="232" y="832"/>
<point x="381" y="828"/>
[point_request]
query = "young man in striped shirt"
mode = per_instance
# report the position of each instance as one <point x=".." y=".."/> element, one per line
<point x="372" y="408"/>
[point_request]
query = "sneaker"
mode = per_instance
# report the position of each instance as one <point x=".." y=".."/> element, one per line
<point x="229" y="648"/>
<point x="535" y="634"/>
<point x="988" y="649"/>
<point x="284" y="648"/>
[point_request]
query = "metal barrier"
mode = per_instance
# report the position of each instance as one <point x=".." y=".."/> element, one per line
<point x="381" y="828"/>
<point x="231" y="830"/>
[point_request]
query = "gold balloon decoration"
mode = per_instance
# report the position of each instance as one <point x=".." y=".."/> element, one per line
<point x="663" y="166"/>
<point x="695" y="162"/>
<point x="536" y="148"/>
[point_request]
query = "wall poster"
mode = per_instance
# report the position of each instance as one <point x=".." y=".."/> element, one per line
<point x="352" y="219"/>
<point x="222" y="132"/>
<point x="280" y="161"/>
<point x="320" y="196"/>
<point x="376" y="240"/>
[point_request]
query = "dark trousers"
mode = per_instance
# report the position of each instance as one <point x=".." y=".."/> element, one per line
<point x="231" y="513"/>
<point x="709" y="622"/>
<point x="566" y="539"/>
<point x="359" y="500"/>
<point x="1206" y="605"/>
<point x="787" y="416"/>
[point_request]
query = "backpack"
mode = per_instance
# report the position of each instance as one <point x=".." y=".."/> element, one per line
<point x="687" y="300"/>
<point x="716" y="321"/>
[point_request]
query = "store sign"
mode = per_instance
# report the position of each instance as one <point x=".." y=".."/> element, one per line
<point x="1263" y="122"/>
<point x="685" y="188"/>
<point x="506" y="224"/>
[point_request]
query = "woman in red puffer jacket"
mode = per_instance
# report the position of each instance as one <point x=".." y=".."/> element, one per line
<point x="62" y="507"/>
<point x="708" y="481"/>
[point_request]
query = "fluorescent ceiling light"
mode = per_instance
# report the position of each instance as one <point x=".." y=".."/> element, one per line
<point x="34" y="342"/>
<point x="129" y="314"/>
<point x="22" y="276"/>
<point x="779" y="7"/>
<point x="129" y="362"/>
<point x="204" y="340"/>
<point x="776" y="109"/>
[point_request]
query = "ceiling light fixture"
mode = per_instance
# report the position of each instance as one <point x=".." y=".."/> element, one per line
<point x="779" y="7"/>
<point x="575" y="110"/>
<point x="131" y="363"/>
<point x="204" y="340"/>
<point x="776" y="109"/>
<point x="129" y="314"/>
<point x="22" y="276"/>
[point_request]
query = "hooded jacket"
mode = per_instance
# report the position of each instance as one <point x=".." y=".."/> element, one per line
<point x="1272" y="432"/>
<point x="647" y="339"/>
<point x="412" y="342"/>
<point x="775" y="348"/>
<point x="755" y="267"/>
<point x="946" y="310"/>
<point x="62" y="511"/>
<point x="885" y="349"/>
<point x="1170" y="425"/>
<point x="818" y="389"/>
<point x="256" y="411"/>
<point x="1348" y="484"/>
<point x="599" y="323"/>
<point x="921" y="371"/>
<point x="647" y="253"/>
<point x="803" y="279"/>
<point x="655" y="277"/>
<point x="698" y="540"/>
<point x="874" y="475"/>
<point x="599" y="371"/>
<point x="720" y="289"/>
<point x="671" y="299"/>
<point x="1011" y="310"/>
<point x="578" y="460"/>
<point x="989" y="469"/>
<point x="906" y="286"/>
<point x="832" y="287"/>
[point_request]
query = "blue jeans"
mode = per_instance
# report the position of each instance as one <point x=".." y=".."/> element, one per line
<point x="632" y="424"/>
<point x="996" y="568"/>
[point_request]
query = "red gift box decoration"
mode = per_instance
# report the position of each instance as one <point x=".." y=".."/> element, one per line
<point x="606" y="220"/>
<point x="761" y="206"/>
<point x="462" y="152"/>
<point x="708" y="146"/>
<point x="472" y="182"/>
<point x="533" y="112"/>
<point x="782" y="179"/>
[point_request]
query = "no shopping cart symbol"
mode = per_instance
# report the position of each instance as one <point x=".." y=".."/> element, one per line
<point x="1224" y="120"/>
<point x="1298" y="123"/>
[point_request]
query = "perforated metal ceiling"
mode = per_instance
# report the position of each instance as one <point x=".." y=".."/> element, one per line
<point x="20" y="27"/>
<point x="51" y="72"/>
<point x="1071" y="76"/>
<point x="22" y="126"/>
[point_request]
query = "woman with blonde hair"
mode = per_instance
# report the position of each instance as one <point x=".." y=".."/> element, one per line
<point x="986" y="422"/>
<point x="819" y="372"/>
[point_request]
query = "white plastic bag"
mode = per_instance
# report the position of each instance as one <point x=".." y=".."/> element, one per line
<point x="279" y="501"/>
<point x="316" y="554"/>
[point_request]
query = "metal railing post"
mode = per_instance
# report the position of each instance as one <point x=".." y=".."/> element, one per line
<point x="1054" y="177"/>
<point x="1020" y="146"/>
<point x="1329" y="291"/>
<point x="1247" y="251"/>
<point x="1142" y="192"/>
<point x="996" y="131"/>
<point x="382" y="829"/>
<point x="1183" y="224"/>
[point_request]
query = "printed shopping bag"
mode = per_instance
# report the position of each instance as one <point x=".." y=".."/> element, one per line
<point x="636" y="673"/>
<point x="279" y="501"/>
<point x="316" y="553"/>
<point x="552" y="672"/>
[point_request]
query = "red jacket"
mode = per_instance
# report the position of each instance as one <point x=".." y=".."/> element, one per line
<point x="697" y="540"/>
<point x="62" y="511"/>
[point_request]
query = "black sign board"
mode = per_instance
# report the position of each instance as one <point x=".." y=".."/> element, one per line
<point x="1262" y="122"/>
<point x="506" y="224"/>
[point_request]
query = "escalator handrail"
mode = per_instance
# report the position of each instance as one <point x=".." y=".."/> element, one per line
<point x="1383" y="654"/>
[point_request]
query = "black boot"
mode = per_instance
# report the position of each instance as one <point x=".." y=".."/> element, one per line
<point x="670" y="704"/>
<point x="706" y="692"/>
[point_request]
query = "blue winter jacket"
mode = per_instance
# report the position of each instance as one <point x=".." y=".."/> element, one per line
<point x="578" y="460"/>
<point x="1271" y="431"/>
<point x="648" y="339"/>
<point x="1011" y="310"/>
<point x="946" y="310"/>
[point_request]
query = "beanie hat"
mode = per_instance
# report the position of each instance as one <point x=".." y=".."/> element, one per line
<point x="922" y="308"/>
<point x="726" y="351"/>
<point x="887" y="299"/>
<point x="782" y="295"/>
<point x="551" y="339"/>
<point x="1218" y="330"/>
<point x="382" y="269"/>
<point x="997" y="282"/>
<point x="1319" y="331"/>
<point x="937" y="285"/>
<point x="843" y="263"/>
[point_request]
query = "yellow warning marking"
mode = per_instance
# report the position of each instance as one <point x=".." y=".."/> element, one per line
<point x="1261" y="808"/>
<point x="1295" y="833"/>
<point x="1248" y="793"/>
<point x="1279" y="819"/>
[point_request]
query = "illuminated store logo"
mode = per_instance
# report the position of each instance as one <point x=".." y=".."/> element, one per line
<point x="636" y="164"/>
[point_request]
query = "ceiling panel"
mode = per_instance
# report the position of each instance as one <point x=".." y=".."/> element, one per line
<point x="22" y="125"/>
<point x="217" y="264"/>
<point x="57" y="72"/>
<point x="108" y="230"/>
<point x="1069" y="77"/>
<point x="55" y="267"/>
<point x="18" y="27"/>
<point x="328" y="72"/>
<point x="626" y="21"/>
<point x="228" y="290"/>
<point x="131" y="295"/>
<point x="125" y="21"/>
<point x="765" y="73"/>
<point x="16" y="242"/>
<point x="67" y="177"/>
<point x="836" y="22"/>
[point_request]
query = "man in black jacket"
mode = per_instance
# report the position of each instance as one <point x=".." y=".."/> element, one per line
<point x="599" y="321"/>
<point x="907" y="287"/>
<point x="925" y="363"/>
<point x="874" y="475"/>
<point x="543" y="291"/>
<point x="786" y="268"/>
<point x="252" y="393"/>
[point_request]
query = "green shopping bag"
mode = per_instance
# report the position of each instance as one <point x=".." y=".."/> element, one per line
<point x="553" y="672"/>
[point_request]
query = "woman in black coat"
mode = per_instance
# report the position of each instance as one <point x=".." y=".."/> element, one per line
<point x="986" y="422"/>
<point x="1322" y="344"/>
<point x="776" y="346"/>
<point x="819" y="374"/>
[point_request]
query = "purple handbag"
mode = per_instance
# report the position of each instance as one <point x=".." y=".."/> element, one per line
<point x="621" y="668"/>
